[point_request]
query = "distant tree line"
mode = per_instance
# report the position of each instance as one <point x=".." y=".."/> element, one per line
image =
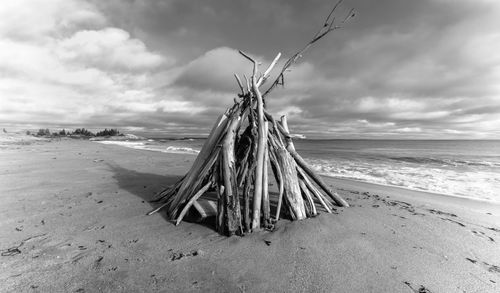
<point x="77" y="132"/>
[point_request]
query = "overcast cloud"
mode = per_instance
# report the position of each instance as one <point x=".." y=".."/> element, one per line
<point x="400" y="69"/>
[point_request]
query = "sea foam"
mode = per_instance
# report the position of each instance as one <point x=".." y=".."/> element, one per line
<point x="151" y="145"/>
<point x="472" y="184"/>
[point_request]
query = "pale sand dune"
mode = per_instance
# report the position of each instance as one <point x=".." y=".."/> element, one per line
<point x="75" y="210"/>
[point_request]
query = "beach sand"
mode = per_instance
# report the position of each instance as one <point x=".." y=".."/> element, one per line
<point x="73" y="219"/>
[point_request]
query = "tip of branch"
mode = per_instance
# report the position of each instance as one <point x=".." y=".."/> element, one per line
<point x="247" y="56"/>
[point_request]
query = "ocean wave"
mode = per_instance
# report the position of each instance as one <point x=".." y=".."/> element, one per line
<point x="149" y="145"/>
<point x="188" y="150"/>
<point x="445" y="162"/>
<point x="471" y="184"/>
<point x="122" y="143"/>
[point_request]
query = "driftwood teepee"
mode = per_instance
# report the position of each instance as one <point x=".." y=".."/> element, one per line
<point x="244" y="142"/>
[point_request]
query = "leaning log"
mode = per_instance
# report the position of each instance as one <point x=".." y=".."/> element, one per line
<point x="291" y="186"/>
<point x="231" y="197"/>
<point x="302" y="163"/>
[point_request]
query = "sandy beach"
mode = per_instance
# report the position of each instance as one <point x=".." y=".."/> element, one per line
<point x="73" y="219"/>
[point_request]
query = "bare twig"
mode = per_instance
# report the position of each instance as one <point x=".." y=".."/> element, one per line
<point x="328" y="26"/>
<point x="238" y="80"/>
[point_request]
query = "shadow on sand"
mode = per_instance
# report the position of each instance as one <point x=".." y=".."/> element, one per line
<point x="147" y="185"/>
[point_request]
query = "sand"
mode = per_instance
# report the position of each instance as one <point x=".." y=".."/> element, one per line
<point x="73" y="219"/>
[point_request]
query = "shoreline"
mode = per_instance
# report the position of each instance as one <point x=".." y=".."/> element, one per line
<point x="76" y="211"/>
<point x="330" y="177"/>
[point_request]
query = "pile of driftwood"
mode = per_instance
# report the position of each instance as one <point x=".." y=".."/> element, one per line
<point x="244" y="142"/>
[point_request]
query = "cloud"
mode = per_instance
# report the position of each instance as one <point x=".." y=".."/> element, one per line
<point x="39" y="21"/>
<point x="109" y="49"/>
<point x="214" y="71"/>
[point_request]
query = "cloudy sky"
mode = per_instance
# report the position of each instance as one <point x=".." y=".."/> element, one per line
<point x="400" y="69"/>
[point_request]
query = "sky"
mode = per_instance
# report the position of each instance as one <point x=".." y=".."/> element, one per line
<point x="401" y="69"/>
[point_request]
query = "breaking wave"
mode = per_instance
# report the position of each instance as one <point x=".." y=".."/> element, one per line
<point x="151" y="145"/>
<point x="445" y="162"/>
<point x="187" y="150"/>
<point x="464" y="183"/>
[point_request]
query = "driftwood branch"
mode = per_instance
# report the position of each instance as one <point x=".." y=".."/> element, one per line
<point x="238" y="80"/>
<point x="328" y="26"/>
<point x="191" y="202"/>
<point x="302" y="163"/>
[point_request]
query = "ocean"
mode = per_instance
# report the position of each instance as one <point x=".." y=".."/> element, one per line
<point x="464" y="168"/>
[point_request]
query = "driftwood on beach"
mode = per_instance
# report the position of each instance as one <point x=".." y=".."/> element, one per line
<point x="245" y="145"/>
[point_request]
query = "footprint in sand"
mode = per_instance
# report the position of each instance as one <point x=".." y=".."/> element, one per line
<point x="180" y="255"/>
<point x="482" y="235"/>
<point x="405" y="218"/>
<point x="438" y="212"/>
<point x="453" y="221"/>
<point x="493" y="229"/>
<point x="97" y="263"/>
<point x="15" y="250"/>
<point x="489" y="267"/>
<point x="475" y="232"/>
<point x="420" y="289"/>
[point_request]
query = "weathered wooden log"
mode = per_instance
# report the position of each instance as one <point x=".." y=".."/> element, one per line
<point x="279" y="179"/>
<point x="203" y="174"/>
<point x="302" y="163"/>
<point x="193" y="174"/>
<point x="291" y="186"/>
<point x="221" y="205"/>
<point x="309" y="200"/>
<point x="315" y="191"/>
<point x="273" y="145"/>
<point x="192" y="201"/>
<point x="245" y="153"/>
<point x="232" y="201"/>
<point x="247" y="219"/>
<point x="265" y="187"/>
<point x="250" y="177"/>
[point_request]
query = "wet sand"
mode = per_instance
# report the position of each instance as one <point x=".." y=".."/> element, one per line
<point x="73" y="219"/>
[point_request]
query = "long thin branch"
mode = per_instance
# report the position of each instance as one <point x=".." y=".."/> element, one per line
<point x="264" y="77"/>
<point x="191" y="202"/>
<point x="328" y="26"/>
<point x="238" y="80"/>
